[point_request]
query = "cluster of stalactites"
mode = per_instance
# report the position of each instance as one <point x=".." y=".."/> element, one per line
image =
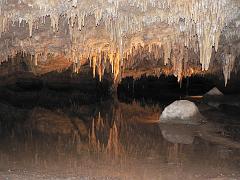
<point x="201" y="19"/>
<point x="173" y="59"/>
<point x="210" y="25"/>
<point x="99" y="60"/>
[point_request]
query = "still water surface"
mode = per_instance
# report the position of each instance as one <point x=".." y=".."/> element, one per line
<point x="115" y="140"/>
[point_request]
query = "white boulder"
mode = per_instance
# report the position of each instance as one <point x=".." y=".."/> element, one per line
<point x="181" y="112"/>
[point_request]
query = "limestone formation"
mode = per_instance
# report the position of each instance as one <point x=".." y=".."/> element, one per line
<point x="214" y="97"/>
<point x="112" y="35"/>
<point x="214" y="92"/>
<point x="181" y="112"/>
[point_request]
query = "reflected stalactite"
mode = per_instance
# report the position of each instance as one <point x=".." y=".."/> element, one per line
<point x="113" y="145"/>
<point x="122" y="138"/>
<point x="98" y="143"/>
<point x="108" y="132"/>
<point x="174" y="153"/>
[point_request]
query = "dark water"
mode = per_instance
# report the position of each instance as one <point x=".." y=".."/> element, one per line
<point x="115" y="140"/>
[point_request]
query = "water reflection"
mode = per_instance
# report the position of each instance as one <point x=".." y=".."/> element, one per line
<point x="178" y="133"/>
<point x="112" y="140"/>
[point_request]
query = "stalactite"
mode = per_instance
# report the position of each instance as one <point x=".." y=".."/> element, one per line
<point x="54" y="22"/>
<point x="116" y="66"/>
<point x="228" y="66"/>
<point x="94" y="63"/>
<point x="36" y="59"/>
<point x="167" y="52"/>
<point x="3" y="24"/>
<point x="30" y="24"/>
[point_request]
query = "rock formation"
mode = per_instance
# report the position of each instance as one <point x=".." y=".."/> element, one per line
<point x="214" y="92"/>
<point x="181" y="112"/>
<point x="215" y="98"/>
<point x="178" y="36"/>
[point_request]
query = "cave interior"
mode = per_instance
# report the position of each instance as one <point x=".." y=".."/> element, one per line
<point x="119" y="89"/>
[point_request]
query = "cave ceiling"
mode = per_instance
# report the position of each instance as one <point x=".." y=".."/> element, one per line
<point x="179" y="37"/>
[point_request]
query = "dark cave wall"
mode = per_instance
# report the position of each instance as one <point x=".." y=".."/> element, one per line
<point x="167" y="87"/>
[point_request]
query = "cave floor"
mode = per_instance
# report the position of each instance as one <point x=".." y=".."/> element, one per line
<point x="116" y="140"/>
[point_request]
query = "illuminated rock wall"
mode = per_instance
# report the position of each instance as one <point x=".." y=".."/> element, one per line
<point x="120" y="32"/>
